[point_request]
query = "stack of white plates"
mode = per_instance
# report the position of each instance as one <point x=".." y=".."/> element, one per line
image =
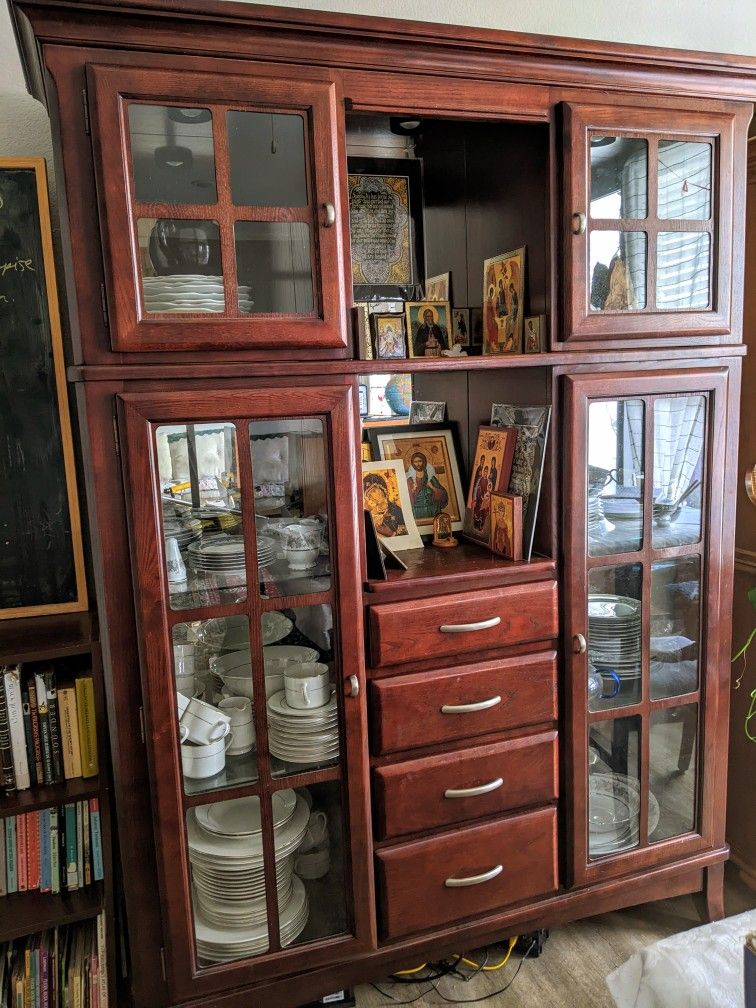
<point x="613" y="813"/>
<point x="614" y="634"/>
<point x="226" y="854"/>
<point x="218" y="555"/>
<point x="190" y="293"/>
<point x="303" y="736"/>
<point x="266" y="551"/>
<point x="275" y="626"/>
<point x="183" y="530"/>
<point x="595" y="515"/>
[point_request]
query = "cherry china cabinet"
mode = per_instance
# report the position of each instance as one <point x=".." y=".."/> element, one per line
<point x="486" y="719"/>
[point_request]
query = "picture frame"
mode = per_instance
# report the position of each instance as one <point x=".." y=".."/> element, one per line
<point x="387" y="249"/>
<point x="423" y="412"/>
<point x="438" y="288"/>
<point x="461" y="334"/>
<point x="506" y="526"/>
<point x="503" y="302"/>
<point x="494" y="450"/>
<point x="363" y="337"/>
<point x="476" y="330"/>
<point x="389" y="336"/>
<point x="428" y="328"/>
<point x="429" y="457"/>
<point x="533" y="334"/>
<point x="532" y="425"/>
<point x="385" y="495"/>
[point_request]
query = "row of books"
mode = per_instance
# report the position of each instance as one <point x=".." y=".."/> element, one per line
<point x="66" y="967"/>
<point x="47" y="733"/>
<point x="51" y="849"/>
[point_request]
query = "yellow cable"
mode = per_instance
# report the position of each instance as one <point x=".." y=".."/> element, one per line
<point x="409" y="972"/>
<point x="498" y="966"/>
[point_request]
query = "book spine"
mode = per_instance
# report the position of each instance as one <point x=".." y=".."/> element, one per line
<point x="3" y="864"/>
<point x="98" y="871"/>
<point x="54" y="720"/>
<point x="44" y="977"/>
<point x="7" y="773"/>
<point x="16" y="724"/>
<point x="80" y="843"/>
<point x="36" y="735"/>
<point x="11" y="860"/>
<point x="27" y="976"/>
<point x="54" y="851"/>
<point x="45" y="873"/>
<point x="28" y="736"/>
<point x="21" y="862"/>
<point x="72" y="880"/>
<point x="102" y="958"/>
<point x="85" y="831"/>
<point x="85" y="707"/>
<point x="32" y="850"/>
<point x="34" y="971"/>
<point x="44" y="730"/>
<point x="69" y="733"/>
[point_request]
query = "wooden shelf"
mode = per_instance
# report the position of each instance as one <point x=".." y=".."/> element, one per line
<point x="29" y="912"/>
<point x="45" y="638"/>
<point x="50" y="794"/>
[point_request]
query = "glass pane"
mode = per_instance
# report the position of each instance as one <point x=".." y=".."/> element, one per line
<point x="214" y="698"/>
<point x="267" y="154"/>
<point x="613" y="786"/>
<point x="291" y="506"/>
<point x="317" y="905"/>
<point x="302" y="707"/>
<point x="619" y="177"/>
<point x="618" y="270"/>
<point x="684" y="180"/>
<point x="675" y="626"/>
<point x="683" y="268"/>
<point x="274" y="267"/>
<point x="672" y="771"/>
<point x="615" y="476"/>
<point x="172" y="154"/>
<point x="679" y="442"/>
<point x="614" y="636"/>
<point x="225" y="847"/>
<point x="202" y="523"/>
<point x="180" y="266"/>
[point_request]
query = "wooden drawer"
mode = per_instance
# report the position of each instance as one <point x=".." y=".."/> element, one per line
<point x="424" y="794"/>
<point x="412" y="878"/>
<point x="467" y="623"/>
<point x="408" y="711"/>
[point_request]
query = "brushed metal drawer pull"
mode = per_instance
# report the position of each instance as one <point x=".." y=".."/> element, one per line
<point x="485" y="624"/>
<point x="455" y="883"/>
<point x="473" y="792"/>
<point x="467" y="708"/>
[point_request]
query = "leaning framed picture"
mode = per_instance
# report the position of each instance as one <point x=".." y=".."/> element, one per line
<point x="390" y="337"/>
<point x="506" y="525"/>
<point x="503" y="302"/>
<point x="428" y="328"/>
<point x="386" y="228"/>
<point x="429" y="458"/>
<point x="492" y="466"/>
<point x="438" y="288"/>
<point x="385" y="495"/>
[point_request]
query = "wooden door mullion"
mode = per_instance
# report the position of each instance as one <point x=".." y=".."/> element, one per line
<point x="225" y="211"/>
<point x="648" y="497"/>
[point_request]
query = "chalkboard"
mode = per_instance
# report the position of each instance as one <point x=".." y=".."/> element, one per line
<point x="41" y="557"/>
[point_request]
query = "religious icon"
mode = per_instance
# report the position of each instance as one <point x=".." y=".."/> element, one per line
<point x="428" y="327"/>
<point x="503" y="302"/>
<point x="506" y="525"/>
<point x="442" y="531"/>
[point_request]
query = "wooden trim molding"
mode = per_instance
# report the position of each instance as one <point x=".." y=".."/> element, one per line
<point x="745" y="560"/>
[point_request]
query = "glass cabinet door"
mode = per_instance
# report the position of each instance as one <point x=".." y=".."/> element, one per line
<point x="639" y="539"/>
<point x="243" y="556"/>
<point x="648" y="222"/>
<point x="228" y="189"/>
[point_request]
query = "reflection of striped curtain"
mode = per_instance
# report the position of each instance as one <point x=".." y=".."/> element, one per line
<point x="633" y="244"/>
<point x="678" y="442"/>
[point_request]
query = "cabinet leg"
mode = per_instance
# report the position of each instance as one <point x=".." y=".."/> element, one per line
<point x="714" y="893"/>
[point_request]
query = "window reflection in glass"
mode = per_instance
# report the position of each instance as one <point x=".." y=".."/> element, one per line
<point x="619" y="177"/>
<point x="683" y="269"/>
<point x="684" y="180"/>
<point x="618" y="270"/>
<point x="679" y="443"/>
<point x="614" y="796"/>
<point x="274" y="267"/>
<point x="615" y="476"/>
<point x="672" y="771"/>
<point x="172" y="154"/>
<point x="267" y="154"/>
<point x="675" y="626"/>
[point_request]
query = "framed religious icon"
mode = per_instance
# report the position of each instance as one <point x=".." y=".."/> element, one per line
<point x="363" y="337"/>
<point x="390" y="336"/>
<point x="386" y="228"/>
<point x="506" y="525"/>
<point x="535" y="327"/>
<point x="423" y="411"/>
<point x="428" y="328"/>
<point x="503" y="302"/>
<point x="461" y="327"/>
<point x="492" y="467"/>
<point x="385" y="495"/>
<point x="438" y="288"/>
<point x="428" y="454"/>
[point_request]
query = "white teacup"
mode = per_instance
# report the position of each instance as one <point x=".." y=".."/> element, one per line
<point x="317" y="832"/>
<point x="302" y="544"/>
<point x="307" y="685"/>
<point x="174" y="561"/>
<point x="239" y="709"/>
<point x="313" y="865"/>
<point x="202" y="723"/>
<point x="201" y="761"/>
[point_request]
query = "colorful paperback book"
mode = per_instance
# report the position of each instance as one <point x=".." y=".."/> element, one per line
<point x="3" y="867"/>
<point x="80" y="842"/>
<point x="98" y="872"/>
<point x="28" y="736"/>
<point x="54" y="851"/>
<point x="44" y="729"/>
<point x="87" y="844"/>
<point x="45" y="854"/>
<point x="102" y="958"/>
<point x="7" y="773"/>
<point x="54" y="720"/>
<point x="72" y="861"/>
<point x="36" y="733"/>
<point x="21" y="862"/>
<point x="32" y="850"/>
<point x="85" y="707"/>
<point x="69" y="732"/>
<point x="11" y="861"/>
<point x="15" y="709"/>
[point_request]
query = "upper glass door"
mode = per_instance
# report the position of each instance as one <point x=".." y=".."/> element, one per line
<point x="222" y="210"/>
<point x="648" y="222"/>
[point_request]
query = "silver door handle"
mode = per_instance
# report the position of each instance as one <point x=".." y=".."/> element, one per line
<point x="354" y="686"/>
<point x="455" y="883"/>
<point x="578" y="644"/>
<point x="485" y="624"/>
<point x="330" y="215"/>
<point x="473" y="792"/>
<point x="467" y="708"/>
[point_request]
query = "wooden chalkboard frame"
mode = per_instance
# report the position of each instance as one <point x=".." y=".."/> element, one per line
<point x="80" y="602"/>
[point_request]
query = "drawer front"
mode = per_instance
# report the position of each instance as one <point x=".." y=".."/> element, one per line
<point x="499" y="864"/>
<point x="429" y="708"/>
<point x="437" y="791"/>
<point x="467" y="623"/>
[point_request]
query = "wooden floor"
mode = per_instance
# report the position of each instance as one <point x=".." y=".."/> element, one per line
<point x="576" y="960"/>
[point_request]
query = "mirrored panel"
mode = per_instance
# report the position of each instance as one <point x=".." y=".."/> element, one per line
<point x="267" y="155"/>
<point x="614" y="795"/>
<point x="615" y="476"/>
<point x="315" y="905"/>
<point x="172" y="154"/>
<point x="672" y="771"/>
<point x="683" y="270"/>
<point x="291" y="506"/>
<point x="614" y="636"/>
<point x="274" y="267"/>
<point x="679" y="455"/>
<point x="617" y="262"/>
<point x="684" y="191"/>
<point x="202" y="522"/>
<point x="180" y="266"/>
<point x="675" y="626"/>
<point x="619" y="177"/>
